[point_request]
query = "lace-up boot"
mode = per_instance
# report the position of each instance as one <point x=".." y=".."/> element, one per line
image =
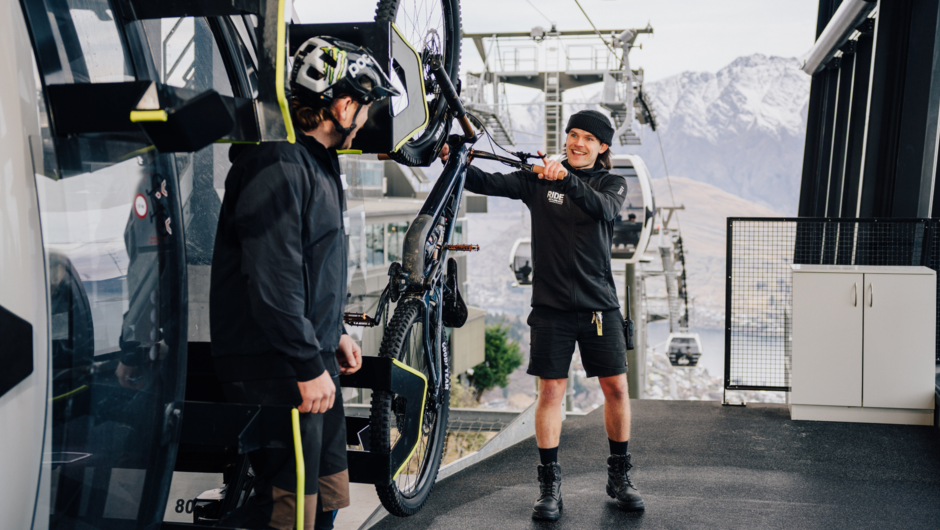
<point x="549" y="505"/>
<point x="619" y="484"/>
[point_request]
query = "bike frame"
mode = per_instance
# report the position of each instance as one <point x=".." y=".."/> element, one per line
<point x="422" y="278"/>
<point x="425" y="250"/>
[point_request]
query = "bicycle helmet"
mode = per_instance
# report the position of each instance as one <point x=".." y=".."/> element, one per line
<point x="324" y="66"/>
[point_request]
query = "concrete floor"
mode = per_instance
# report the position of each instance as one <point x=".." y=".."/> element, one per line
<point x="701" y="465"/>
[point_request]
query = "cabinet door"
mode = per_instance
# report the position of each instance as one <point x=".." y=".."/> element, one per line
<point x="826" y="361"/>
<point x="899" y="349"/>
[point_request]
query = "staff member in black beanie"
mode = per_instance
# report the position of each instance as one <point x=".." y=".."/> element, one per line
<point x="574" y="299"/>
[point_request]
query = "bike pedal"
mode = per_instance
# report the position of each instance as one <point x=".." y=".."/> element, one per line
<point x="359" y="319"/>
<point x="463" y="248"/>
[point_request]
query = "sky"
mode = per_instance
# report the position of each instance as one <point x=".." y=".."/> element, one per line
<point x="689" y="35"/>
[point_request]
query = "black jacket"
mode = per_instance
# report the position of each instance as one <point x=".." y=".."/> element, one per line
<point x="278" y="285"/>
<point x="572" y="229"/>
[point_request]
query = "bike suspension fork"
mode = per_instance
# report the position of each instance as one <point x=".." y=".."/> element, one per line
<point x="432" y="342"/>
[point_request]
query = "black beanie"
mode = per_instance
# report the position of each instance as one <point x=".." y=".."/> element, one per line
<point x="593" y="122"/>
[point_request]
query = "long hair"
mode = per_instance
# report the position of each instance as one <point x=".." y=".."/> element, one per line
<point x="604" y="159"/>
<point x="308" y="117"/>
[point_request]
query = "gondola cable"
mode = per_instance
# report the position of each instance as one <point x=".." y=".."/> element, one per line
<point x="598" y="32"/>
<point x="540" y="12"/>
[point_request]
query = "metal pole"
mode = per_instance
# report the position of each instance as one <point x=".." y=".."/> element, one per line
<point x="635" y="360"/>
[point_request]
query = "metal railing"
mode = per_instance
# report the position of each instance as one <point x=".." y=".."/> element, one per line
<point x="758" y="288"/>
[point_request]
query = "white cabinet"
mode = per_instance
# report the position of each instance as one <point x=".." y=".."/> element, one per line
<point x="863" y="344"/>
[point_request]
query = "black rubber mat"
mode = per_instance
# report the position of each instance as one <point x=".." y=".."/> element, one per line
<point x="701" y="465"/>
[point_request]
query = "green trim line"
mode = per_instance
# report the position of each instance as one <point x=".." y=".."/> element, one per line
<point x="138" y="116"/>
<point x="349" y="151"/>
<point x="70" y="393"/>
<point x="424" y="397"/>
<point x="138" y="152"/>
<point x="424" y="100"/>
<point x="300" y="495"/>
<point x="279" y="76"/>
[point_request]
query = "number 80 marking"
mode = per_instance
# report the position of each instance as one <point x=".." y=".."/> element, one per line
<point x="186" y="506"/>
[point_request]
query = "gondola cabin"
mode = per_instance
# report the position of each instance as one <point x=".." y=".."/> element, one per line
<point x="520" y="262"/>
<point x="633" y="226"/>
<point x="684" y="349"/>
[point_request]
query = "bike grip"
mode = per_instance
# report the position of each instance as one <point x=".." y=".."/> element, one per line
<point x="540" y="170"/>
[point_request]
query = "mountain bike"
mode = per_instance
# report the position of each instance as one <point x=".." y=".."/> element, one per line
<point x="425" y="287"/>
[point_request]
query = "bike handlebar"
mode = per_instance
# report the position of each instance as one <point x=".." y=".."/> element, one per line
<point x="540" y="170"/>
<point x="514" y="163"/>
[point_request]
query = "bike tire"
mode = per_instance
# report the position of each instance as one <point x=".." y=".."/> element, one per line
<point x="422" y="149"/>
<point x="405" y="495"/>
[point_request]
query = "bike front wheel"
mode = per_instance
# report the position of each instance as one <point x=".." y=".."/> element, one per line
<point x="433" y="28"/>
<point x="406" y="493"/>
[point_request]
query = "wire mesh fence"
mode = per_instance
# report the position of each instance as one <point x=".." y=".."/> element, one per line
<point x="468" y="432"/>
<point x="758" y="288"/>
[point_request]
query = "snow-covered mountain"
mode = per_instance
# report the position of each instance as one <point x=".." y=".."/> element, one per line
<point x="740" y="129"/>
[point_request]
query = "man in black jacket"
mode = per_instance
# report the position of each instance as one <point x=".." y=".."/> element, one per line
<point x="573" y="205"/>
<point x="279" y="283"/>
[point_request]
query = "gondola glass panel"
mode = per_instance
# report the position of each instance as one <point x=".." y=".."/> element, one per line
<point x="628" y="225"/>
<point x="111" y="219"/>
<point x="112" y="241"/>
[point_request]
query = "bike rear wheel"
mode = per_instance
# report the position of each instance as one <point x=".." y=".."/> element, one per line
<point x="404" y="340"/>
<point x="433" y="28"/>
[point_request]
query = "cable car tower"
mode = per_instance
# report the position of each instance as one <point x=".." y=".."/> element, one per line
<point x="555" y="61"/>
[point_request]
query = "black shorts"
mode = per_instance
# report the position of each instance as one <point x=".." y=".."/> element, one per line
<point x="554" y="334"/>
<point x="323" y="440"/>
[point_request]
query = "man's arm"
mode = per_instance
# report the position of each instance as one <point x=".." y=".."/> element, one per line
<point x="602" y="204"/>
<point x="268" y="223"/>
<point x="515" y="185"/>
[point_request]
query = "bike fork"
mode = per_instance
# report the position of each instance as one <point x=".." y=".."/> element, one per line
<point x="435" y="340"/>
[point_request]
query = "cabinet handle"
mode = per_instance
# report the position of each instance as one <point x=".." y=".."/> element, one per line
<point x="856" y="295"/>
<point x="871" y="299"/>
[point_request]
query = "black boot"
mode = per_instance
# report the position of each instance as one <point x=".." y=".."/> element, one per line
<point x="619" y="485"/>
<point x="549" y="505"/>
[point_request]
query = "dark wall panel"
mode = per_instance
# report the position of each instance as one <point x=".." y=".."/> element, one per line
<point x="912" y="183"/>
<point x="889" y="72"/>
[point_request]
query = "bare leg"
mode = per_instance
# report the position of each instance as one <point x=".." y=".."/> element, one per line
<point x="548" y="412"/>
<point x="616" y="408"/>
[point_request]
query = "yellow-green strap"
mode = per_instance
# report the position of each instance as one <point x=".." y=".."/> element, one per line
<point x="138" y="116"/>
<point x="70" y="393"/>
<point x="300" y="497"/>
<point x="279" y="73"/>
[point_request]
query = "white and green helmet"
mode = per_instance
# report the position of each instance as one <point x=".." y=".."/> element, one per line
<point x="325" y="66"/>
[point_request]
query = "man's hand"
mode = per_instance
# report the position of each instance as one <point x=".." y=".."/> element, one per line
<point x="553" y="169"/>
<point x="444" y="154"/>
<point x="349" y="355"/>
<point x="317" y="394"/>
